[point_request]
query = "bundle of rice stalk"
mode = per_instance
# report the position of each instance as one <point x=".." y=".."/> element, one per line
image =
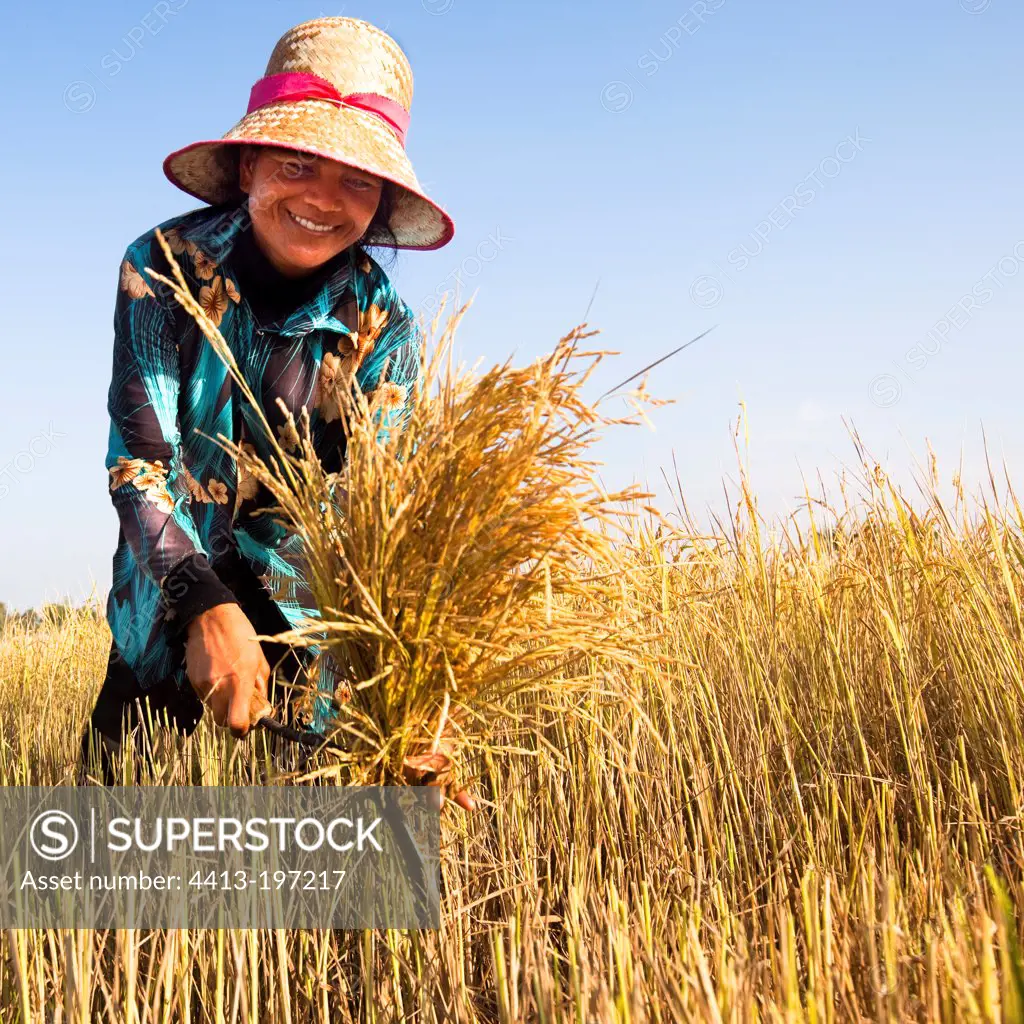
<point x="462" y="557"/>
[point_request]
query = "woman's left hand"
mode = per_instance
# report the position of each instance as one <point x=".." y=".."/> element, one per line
<point x="435" y="769"/>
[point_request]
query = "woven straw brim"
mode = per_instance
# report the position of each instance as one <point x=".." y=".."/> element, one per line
<point x="209" y="170"/>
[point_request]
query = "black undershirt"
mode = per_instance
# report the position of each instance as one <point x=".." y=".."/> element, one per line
<point x="273" y="296"/>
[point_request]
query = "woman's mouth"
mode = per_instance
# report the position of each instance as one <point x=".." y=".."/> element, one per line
<point x="311" y="225"/>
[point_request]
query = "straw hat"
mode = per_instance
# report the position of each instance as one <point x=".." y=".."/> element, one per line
<point x="335" y="87"/>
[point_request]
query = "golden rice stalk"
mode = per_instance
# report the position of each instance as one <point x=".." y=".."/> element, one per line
<point x="461" y="561"/>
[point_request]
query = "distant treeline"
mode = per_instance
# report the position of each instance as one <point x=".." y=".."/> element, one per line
<point x="55" y="613"/>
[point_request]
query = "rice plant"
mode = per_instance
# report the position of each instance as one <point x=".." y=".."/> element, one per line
<point x="786" y="786"/>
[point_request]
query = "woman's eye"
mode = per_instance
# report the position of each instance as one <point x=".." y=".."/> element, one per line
<point x="359" y="185"/>
<point x="296" y="168"/>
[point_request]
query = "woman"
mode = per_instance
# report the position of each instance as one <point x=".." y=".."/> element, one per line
<point x="314" y="171"/>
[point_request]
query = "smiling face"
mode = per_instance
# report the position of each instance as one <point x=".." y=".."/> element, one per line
<point x="305" y="209"/>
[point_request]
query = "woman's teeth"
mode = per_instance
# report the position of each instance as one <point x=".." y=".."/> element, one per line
<point x="310" y="225"/>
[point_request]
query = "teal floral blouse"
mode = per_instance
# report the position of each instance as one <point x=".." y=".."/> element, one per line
<point x="179" y="497"/>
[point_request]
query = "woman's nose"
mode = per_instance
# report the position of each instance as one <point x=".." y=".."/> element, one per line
<point x="325" y="195"/>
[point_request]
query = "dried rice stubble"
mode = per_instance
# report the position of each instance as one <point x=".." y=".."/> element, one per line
<point x="461" y="558"/>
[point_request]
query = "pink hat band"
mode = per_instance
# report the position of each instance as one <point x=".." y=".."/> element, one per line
<point x="293" y="86"/>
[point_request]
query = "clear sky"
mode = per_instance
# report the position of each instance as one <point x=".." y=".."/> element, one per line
<point x="836" y="186"/>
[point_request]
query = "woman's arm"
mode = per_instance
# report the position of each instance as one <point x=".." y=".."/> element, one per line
<point x="223" y="658"/>
<point x="144" y="450"/>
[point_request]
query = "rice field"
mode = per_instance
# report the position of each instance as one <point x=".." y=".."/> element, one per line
<point x="802" y="802"/>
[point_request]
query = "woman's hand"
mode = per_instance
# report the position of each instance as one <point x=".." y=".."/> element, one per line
<point x="226" y="666"/>
<point x="435" y="769"/>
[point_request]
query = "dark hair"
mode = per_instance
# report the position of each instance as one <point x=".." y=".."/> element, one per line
<point x="378" y="232"/>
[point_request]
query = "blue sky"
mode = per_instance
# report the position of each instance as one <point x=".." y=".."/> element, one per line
<point x="835" y="186"/>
